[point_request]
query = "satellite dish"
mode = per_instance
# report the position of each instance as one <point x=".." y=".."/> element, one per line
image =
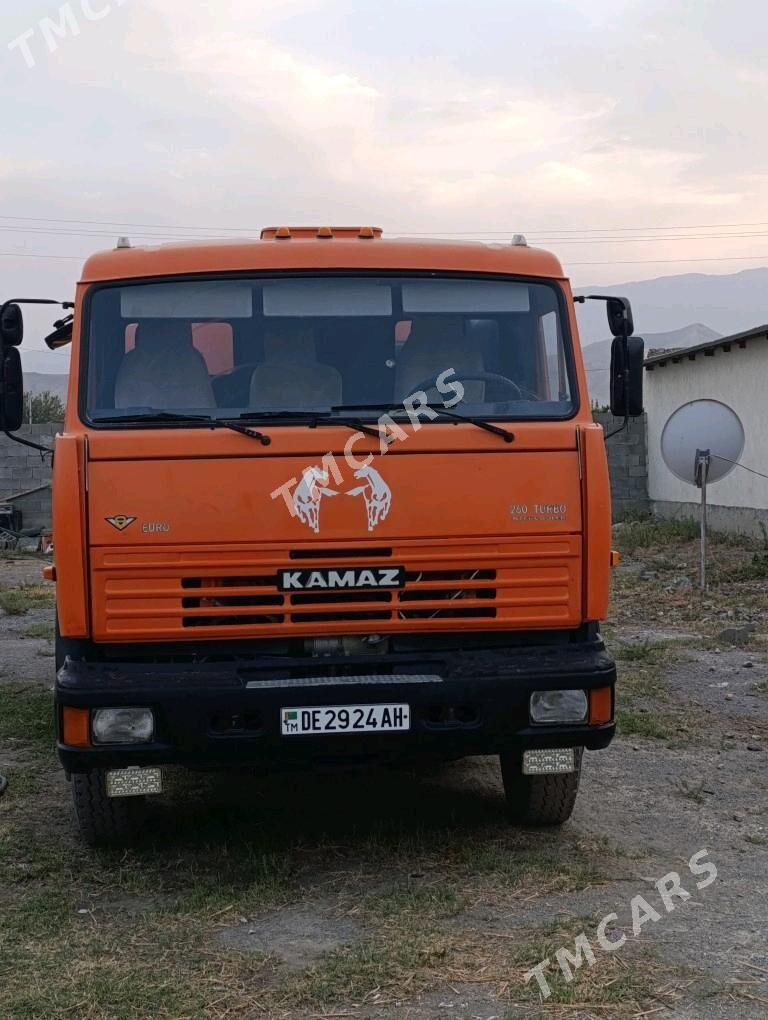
<point x="702" y="426"/>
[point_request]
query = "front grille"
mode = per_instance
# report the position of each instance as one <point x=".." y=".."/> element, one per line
<point x="516" y="582"/>
<point x="438" y="594"/>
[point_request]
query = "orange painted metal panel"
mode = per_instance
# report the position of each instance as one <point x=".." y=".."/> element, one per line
<point x="312" y="253"/>
<point x="432" y="495"/>
<point x="70" y="535"/>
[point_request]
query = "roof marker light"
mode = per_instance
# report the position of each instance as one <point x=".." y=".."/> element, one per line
<point x="367" y="233"/>
<point x="283" y="234"/>
<point x="123" y="242"/>
<point x="520" y="241"/>
<point x="325" y="233"/>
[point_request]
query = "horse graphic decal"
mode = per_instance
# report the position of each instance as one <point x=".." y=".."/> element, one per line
<point x="315" y="484"/>
<point x="376" y="493"/>
<point x="308" y="495"/>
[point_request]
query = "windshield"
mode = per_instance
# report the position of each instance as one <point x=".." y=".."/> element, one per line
<point x="229" y="347"/>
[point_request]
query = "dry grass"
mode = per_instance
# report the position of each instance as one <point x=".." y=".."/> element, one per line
<point x="43" y="630"/>
<point x="18" y="601"/>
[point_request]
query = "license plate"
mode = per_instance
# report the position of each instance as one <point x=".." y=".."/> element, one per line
<point x="134" y="782"/>
<point x="297" y="722"/>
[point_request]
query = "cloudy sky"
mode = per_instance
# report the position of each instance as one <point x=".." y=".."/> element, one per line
<point x="627" y="135"/>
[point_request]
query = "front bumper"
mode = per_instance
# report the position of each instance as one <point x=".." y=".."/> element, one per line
<point x="218" y="715"/>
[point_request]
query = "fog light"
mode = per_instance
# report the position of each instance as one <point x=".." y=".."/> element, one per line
<point x="123" y="725"/>
<point x="558" y="706"/>
<point x="548" y="762"/>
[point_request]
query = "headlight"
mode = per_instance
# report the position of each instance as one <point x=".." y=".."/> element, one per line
<point x="558" y="707"/>
<point x="123" y="725"/>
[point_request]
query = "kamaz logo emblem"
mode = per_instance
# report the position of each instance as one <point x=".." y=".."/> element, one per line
<point x="370" y="577"/>
<point x="120" y="522"/>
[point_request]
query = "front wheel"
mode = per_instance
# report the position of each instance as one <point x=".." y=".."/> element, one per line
<point x="539" y="800"/>
<point x="103" y="820"/>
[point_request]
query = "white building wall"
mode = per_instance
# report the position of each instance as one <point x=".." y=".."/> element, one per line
<point x="739" y="378"/>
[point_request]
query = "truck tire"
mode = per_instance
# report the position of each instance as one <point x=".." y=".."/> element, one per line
<point x="538" y="800"/>
<point x="103" y="820"/>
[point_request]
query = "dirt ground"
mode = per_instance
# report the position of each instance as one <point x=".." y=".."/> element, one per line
<point x="388" y="895"/>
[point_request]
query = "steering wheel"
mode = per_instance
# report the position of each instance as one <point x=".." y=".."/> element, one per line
<point x="487" y="377"/>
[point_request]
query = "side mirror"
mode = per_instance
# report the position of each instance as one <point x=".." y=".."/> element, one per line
<point x="11" y="325"/>
<point x="627" y="376"/>
<point x="620" y="321"/>
<point x="11" y="390"/>
<point x="62" y="334"/>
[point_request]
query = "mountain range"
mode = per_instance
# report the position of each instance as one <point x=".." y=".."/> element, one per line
<point x="727" y="304"/>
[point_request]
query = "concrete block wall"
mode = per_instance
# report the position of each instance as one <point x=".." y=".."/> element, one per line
<point x="22" y="468"/>
<point x="627" y="464"/>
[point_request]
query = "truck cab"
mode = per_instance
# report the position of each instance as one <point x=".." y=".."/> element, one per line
<point x="327" y="497"/>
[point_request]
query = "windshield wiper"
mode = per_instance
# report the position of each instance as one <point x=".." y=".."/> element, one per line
<point x="481" y="423"/>
<point x="312" y="419"/>
<point x="442" y="412"/>
<point x="160" y="416"/>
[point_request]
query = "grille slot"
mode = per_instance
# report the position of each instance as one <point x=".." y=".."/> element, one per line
<point x="232" y="600"/>
<point x="451" y="575"/>
<point x="454" y="613"/>
<point x="242" y="619"/>
<point x="249" y="581"/>
<point x="320" y="598"/>
<point x="340" y="554"/>
<point x="342" y="617"/>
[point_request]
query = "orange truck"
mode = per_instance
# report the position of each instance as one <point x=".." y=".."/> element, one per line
<point x="327" y="498"/>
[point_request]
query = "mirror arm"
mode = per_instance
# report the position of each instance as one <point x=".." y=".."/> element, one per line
<point x="37" y="301"/>
<point x="45" y="451"/>
<point x="621" y="428"/>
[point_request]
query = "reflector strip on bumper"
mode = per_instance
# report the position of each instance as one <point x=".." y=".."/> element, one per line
<point x="134" y="782"/>
<point x="549" y="762"/>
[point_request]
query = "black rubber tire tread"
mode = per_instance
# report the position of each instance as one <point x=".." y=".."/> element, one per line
<point x="103" y="820"/>
<point x="539" y="800"/>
